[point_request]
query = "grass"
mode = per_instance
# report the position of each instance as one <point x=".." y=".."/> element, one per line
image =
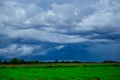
<point x="66" y="71"/>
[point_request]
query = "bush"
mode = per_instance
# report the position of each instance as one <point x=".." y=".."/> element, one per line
<point x="107" y="61"/>
<point x="14" y="61"/>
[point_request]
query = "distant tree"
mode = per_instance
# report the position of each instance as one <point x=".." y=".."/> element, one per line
<point x="0" y="61"/>
<point x="33" y="61"/>
<point x="14" y="61"/>
<point x="22" y="61"/>
<point x="62" y="61"/>
<point x="56" y="61"/>
<point x="36" y="61"/>
<point x="5" y="62"/>
<point x="109" y="61"/>
<point x="75" y="61"/>
<point x="68" y="62"/>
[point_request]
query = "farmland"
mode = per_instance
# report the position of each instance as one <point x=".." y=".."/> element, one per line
<point x="60" y="71"/>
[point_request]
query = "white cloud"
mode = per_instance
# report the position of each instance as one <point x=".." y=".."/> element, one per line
<point x="100" y="20"/>
<point x="16" y="12"/>
<point x="59" y="47"/>
<point x="58" y="14"/>
<point x="106" y="15"/>
<point x="12" y="12"/>
<point x="15" y="50"/>
<point x="24" y="49"/>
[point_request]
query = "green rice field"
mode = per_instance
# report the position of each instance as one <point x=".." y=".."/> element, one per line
<point x="60" y="72"/>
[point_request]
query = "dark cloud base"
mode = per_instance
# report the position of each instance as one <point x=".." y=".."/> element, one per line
<point x="77" y="51"/>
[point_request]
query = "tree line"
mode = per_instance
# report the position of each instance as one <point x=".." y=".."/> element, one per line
<point x="22" y="61"/>
<point x="18" y="61"/>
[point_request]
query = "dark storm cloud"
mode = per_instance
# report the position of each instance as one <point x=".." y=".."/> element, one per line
<point x="28" y="26"/>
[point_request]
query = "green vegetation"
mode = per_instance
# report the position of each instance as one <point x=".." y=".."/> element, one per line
<point x="22" y="61"/>
<point x="60" y="71"/>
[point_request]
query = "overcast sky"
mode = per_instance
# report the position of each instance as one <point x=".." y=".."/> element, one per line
<point x="86" y="30"/>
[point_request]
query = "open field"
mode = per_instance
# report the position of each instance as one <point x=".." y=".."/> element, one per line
<point x="60" y="71"/>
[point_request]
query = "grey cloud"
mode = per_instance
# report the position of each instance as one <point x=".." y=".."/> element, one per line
<point x="60" y="20"/>
<point x="38" y="27"/>
<point x="45" y="36"/>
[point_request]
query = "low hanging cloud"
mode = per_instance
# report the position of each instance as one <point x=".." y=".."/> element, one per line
<point x="15" y="50"/>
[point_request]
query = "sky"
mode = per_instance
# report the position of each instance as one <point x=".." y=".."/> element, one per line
<point x="85" y="30"/>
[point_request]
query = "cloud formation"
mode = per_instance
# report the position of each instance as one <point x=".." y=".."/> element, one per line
<point x="31" y="22"/>
<point x="65" y="18"/>
<point x="16" y="50"/>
